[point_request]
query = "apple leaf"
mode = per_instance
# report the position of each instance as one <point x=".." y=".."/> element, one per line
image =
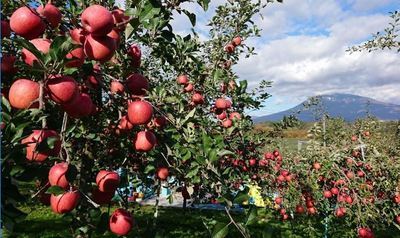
<point x="55" y="190"/>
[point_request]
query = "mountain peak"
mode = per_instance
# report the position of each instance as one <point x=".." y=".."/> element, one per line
<point x="348" y="106"/>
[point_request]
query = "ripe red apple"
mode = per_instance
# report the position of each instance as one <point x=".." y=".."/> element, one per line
<point x="327" y="194"/>
<point x="62" y="89"/>
<point x="78" y="36"/>
<point x="99" y="48"/>
<point x="197" y="98"/>
<point x="366" y="133"/>
<point x="229" y="48"/>
<point x="76" y="57"/>
<point x="365" y="232"/>
<point x="300" y="209"/>
<point x="8" y="64"/>
<point x="221" y="115"/>
<point x="281" y="178"/>
<point x="235" y="116"/>
<point x="160" y="121"/>
<point x="5" y="29"/>
<point x="57" y="175"/>
<point x="80" y="106"/>
<point x="23" y="93"/>
<point x="349" y="175"/>
<point x="188" y="88"/>
<point x="236" y="41"/>
<point x="120" y="18"/>
<point x="252" y="162"/>
<point x="312" y="210"/>
<point x="136" y="54"/>
<point x="115" y="35"/>
<point x="137" y="84"/>
<point x="182" y="79"/>
<point x="51" y="13"/>
<point x="354" y="138"/>
<point x="340" y="212"/>
<point x="97" y="20"/>
<point x="397" y="219"/>
<point x="220" y="103"/>
<point x="124" y="124"/>
<point x="100" y="197"/>
<point x="278" y="200"/>
<point x="360" y="173"/>
<point x="144" y="141"/>
<point x="117" y="87"/>
<point x="107" y="181"/>
<point x="43" y="45"/>
<point x="227" y="123"/>
<point x="140" y="112"/>
<point x="65" y="202"/>
<point x="121" y="222"/>
<point x="26" y="23"/>
<point x="162" y="173"/>
<point x="317" y="166"/>
<point x="34" y="139"/>
<point x="396" y="198"/>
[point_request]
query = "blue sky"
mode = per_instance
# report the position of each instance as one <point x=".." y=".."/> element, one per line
<point x="303" y="50"/>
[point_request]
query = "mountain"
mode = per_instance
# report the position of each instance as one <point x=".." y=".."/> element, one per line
<point x="348" y="106"/>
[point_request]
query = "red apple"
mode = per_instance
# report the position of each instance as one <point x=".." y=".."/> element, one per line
<point x="99" y="48"/>
<point x="278" y="200"/>
<point x="229" y="48"/>
<point x="236" y="41"/>
<point x="121" y="222"/>
<point x="33" y="140"/>
<point x="117" y="87"/>
<point x="188" y="88"/>
<point x="76" y="58"/>
<point x="327" y="194"/>
<point x="62" y="89"/>
<point x="221" y="115"/>
<point x="137" y="84"/>
<point x="182" y="79"/>
<point x="120" y="18"/>
<point x="43" y="45"/>
<point x="57" y="175"/>
<point x="340" y="212"/>
<point x="252" y="162"/>
<point x="227" y="123"/>
<point x="135" y="53"/>
<point x="107" y="181"/>
<point x="144" y="141"/>
<point x="365" y="232"/>
<point x="162" y="173"/>
<point x="97" y="20"/>
<point x="78" y="36"/>
<point x="197" y="98"/>
<point x="140" y="112"/>
<point x="26" y="23"/>
<point x="51" y="13"/>
<point x="115" y="35"/>
<point x="5" y="29"/>
<point x="317" y="166"/>
<point x="23" y="93"/>
<point x="220" y="103"/>
<point x="8" y="64"/>
<point x="397" y="219"/>
<point x="235" y="116"/>
<point x="354" y="138"/>
<point x="124" y="124"/>
<point x="80" y="106"/>
<point x="65" y="202"/>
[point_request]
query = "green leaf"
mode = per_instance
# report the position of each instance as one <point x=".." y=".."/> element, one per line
<point x="220" y="230"/>
<point x="5" y="103"/>
<point x="55" y="190"/>
<point x="149" y="168"/>
<point x="240" y="198"/>
<point x="191" y="16"/>
<point x="212" y="156"/>
<point x="252" y="217"/>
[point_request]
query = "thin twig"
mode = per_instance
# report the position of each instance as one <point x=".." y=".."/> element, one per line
<point x="40" y="190"/>
<point x="234" y="223"/>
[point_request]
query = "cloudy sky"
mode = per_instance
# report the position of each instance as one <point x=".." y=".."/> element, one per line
<point x="303" y="50"/>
